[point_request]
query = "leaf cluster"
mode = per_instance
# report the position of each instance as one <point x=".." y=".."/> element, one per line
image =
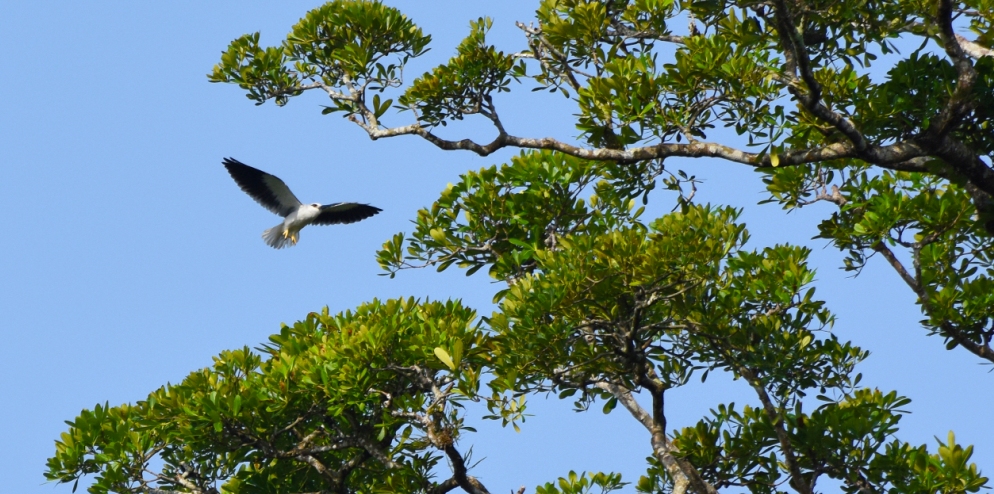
<point x="464" y="85"/>
<point x="356" y="398"/>
<point x="500" y="216"/>
<point x="339" y="45"/>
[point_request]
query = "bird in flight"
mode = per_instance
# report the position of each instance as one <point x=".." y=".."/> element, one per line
<point x="275" y="196"/>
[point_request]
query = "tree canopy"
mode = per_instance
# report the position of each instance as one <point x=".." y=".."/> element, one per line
<point x="600" y="304"/>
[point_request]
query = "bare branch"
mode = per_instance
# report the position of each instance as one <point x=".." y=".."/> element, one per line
<point x="328" y="89"/>
<point x="621" y="30"/>
<point x="896" y="156"/>
<point x="468" y="483"/>
<point x="896" y="264"/>
<point x="626" y="399"/>
<point x="684" y="474"/>
<point x="448" y="485"/>
<point x="971" y="48"/>
<point x="539" y="44"/>
<point x="184" y="480"/>
<point x="288" y="428"/>
<point x="377" y="452"/>
<point x="956" y="334"/>
<point x="332" y="477"/>
<point x="963" y="160"/>
<point x="948" y="329"/>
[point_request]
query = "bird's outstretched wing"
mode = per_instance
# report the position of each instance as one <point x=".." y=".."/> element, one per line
<point x="266" y="189"/>
<point x="344" y="212"/>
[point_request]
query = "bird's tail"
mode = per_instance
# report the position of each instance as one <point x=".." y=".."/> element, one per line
<point x="274" y="237"/>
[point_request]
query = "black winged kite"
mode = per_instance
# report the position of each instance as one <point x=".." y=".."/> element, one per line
<point x="275" y="196"/>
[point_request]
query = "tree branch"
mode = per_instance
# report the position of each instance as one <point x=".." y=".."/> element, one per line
<point x="960" y="102"/>
<point x="896" y="156"/>
<point x="448" y="485"/>
<point x="621" y="30"/>
<point x="330" y="476"/>
<point x="377" y="452"/>
<point x="776" y="420"/>
<point x="935" y="138"/>
<point x="682" y="473"/>
<point x="948" y="329"/>
<point x="798" y="61"/>
<point x="467" y="482"/>
<point x="539" y="44"/>
<point x="971" y="48"/>
<point x="983" y="351"/>
<point x="896" y="264"/>
<point x="963" y="160"/>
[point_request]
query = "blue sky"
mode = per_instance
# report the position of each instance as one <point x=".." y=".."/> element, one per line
<point x="130" y="257"/>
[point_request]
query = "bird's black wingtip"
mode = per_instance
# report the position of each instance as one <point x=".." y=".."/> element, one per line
<point x="229" y="162"/>
<point x="359" y="205"/>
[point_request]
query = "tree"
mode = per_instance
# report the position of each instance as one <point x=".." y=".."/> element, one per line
<point x="601" y="305"/>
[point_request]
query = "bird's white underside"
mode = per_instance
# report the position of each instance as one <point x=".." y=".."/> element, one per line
<point x="287" y="233"/>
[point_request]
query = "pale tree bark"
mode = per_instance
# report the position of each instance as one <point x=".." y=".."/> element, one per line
<point x="685" y="477"/>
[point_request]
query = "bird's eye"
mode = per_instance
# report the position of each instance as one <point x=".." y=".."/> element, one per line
<point x="316" y="205"/>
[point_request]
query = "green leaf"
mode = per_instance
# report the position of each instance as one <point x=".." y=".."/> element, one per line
<point x="445" y="358"/>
